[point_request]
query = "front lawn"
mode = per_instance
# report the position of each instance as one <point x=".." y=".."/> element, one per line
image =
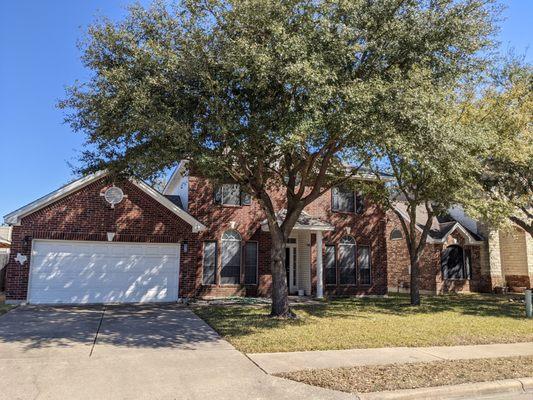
<point x="5" y="308"/>
<point x="376" y="378"/>
<point x="374" y="322"/>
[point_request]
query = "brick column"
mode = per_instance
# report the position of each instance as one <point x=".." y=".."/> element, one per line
<point x="490" y="260"/>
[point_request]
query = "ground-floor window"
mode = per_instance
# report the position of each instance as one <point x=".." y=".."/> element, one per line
<point x="456" y="263"/>
<point x="230" y="272"/>
<point x="232" y="254"/>
<point x="352" y="262"/>
<point x="346" y="261"/>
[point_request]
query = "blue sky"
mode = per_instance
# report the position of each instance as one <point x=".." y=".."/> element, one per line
<point x="39" y="57"/>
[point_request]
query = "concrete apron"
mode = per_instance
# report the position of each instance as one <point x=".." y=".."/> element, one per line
<point x="143" y="352"/>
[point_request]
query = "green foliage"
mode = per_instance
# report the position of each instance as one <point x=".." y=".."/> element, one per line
<point x="274" y="93"/>
<point x="504" y="111"/>
<point x="261" y="90"/>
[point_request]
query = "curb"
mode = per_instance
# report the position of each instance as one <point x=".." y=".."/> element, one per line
<point x="466" y="390"/>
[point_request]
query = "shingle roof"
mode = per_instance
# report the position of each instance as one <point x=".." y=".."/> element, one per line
<point x="441" y="226"/>
<point x="174" y="198"/>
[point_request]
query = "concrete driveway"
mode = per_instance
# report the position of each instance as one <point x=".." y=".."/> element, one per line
<point x="129" y="352"/>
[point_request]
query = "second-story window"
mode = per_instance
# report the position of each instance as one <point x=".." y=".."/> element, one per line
<point x="230" y="194"/>
<point x="346" y="200"/>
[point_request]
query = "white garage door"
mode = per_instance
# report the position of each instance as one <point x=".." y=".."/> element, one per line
<point x="99" y="272"/>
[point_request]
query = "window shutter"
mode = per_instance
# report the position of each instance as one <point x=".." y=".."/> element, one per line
<point x="331" y="270"/>
<point x="250" y="263"/>
<point x="210" y="263"/>
<point x="359" y="203"/>
<point x="444" y="262"/>
<point x="217" y="194"/>
<point x="335" y="199"/>
<point x="364" y="265"/>
<point x="468" y="264"/>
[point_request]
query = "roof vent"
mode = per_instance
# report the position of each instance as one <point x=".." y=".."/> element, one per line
<point x="114" y="195"/>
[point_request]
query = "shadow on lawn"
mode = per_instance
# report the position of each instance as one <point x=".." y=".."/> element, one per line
<point x="242" y="320"/>
<point x="472" y="305"/>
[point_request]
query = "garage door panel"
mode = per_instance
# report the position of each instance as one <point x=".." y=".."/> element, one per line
<point x="78" y="272"/>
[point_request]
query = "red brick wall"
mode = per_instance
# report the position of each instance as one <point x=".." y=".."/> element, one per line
<point x="430" y="263"/>
<point x="367" y="229"/>
<point x="84" y="215"/>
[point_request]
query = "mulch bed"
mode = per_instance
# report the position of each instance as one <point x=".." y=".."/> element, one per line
<point x="376" y="378"/>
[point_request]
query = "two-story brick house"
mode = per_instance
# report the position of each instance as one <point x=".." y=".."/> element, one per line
<point x="95" y="240"/>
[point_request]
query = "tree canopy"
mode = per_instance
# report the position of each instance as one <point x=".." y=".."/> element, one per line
<point x="504" y="111"/>
<point x="268" y="92"/>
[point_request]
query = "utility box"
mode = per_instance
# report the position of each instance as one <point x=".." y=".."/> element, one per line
<point x="529" y="303"/>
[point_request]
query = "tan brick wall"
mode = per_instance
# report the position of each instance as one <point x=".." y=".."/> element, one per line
<point x="513" y="252"/>
<point x="529" y="246"/>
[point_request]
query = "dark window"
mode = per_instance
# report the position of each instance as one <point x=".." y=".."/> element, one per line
<point x="396" y="234"/>
<point x="231" y="258"/>
<point x="343" y="199"/>
<point x="210" y="263"/>
<point x="230" y="194"/>
<point x="246" y="199"/>
<point x="331" y="270"/>
<point x="347" y="260"/>
<point x="363" y="261"/>
<point x="347" y="200"/>
<point x="452" y="263"/>
<point x="250" y="263"/>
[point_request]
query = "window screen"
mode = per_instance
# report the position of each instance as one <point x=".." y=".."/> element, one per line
<point x="231" y="258"/>
<point x="331" y="271"/>
<point x="210" y="263"/>
<point x="363" y="260"/>
<point x="347" y="261"/>
<point x="250" y="263"/>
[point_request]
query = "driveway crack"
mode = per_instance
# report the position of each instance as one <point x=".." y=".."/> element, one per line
<point x="97" y="331"/>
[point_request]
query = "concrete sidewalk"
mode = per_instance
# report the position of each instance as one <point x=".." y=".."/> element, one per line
<point x="274" y="363"/>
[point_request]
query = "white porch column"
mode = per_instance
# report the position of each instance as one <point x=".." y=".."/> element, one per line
<point x="319" y="274"/>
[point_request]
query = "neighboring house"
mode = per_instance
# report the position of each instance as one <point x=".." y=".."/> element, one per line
<point x="5" y="244"/>
<point x="93" y="242"/>
<point x="450" y="261"/>
<point x="506" y="255"/>
<point x="461" y="255"/>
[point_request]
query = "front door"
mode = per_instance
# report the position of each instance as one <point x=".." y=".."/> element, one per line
<point x="290" y="267"/>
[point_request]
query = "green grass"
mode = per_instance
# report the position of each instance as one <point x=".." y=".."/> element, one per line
<point x="5" y="308"/>
<point x="374" y="322"/>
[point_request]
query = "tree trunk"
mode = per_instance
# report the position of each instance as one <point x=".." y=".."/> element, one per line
<point x="415" y="280"/>
<point x="280" y="300"/>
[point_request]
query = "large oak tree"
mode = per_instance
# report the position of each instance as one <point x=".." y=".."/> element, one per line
<point x="269" y="93"/>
